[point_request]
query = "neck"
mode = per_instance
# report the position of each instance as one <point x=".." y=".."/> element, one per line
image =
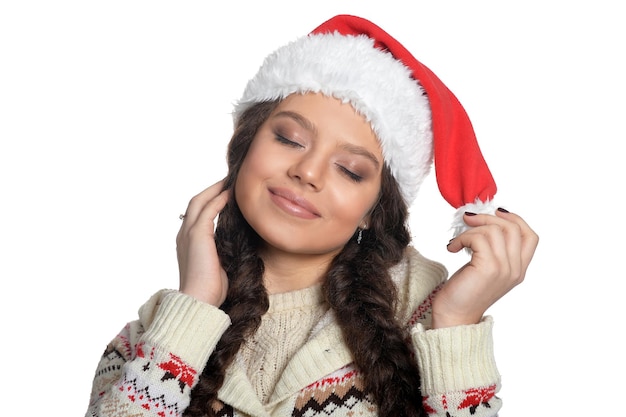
<point x="286" y="272"/>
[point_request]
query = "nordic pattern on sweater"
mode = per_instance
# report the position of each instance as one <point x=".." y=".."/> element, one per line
<point x="131" y="390"/>
<point x="342" y="394"/>
<point x="143" y="372"/>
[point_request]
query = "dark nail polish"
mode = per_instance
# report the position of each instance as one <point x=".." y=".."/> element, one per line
<point x="502" y="210"/>
<point x="469" y="213"/>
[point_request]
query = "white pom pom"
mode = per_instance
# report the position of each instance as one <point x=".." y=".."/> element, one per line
<point x="478" y="207"/>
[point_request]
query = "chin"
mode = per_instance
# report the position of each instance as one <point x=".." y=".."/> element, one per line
<point x="302" y="245"/>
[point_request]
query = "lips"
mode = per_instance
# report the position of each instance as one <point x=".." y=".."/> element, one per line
<point x="293" y="204"/>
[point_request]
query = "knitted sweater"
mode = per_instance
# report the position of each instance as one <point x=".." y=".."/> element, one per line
<point x="284" y="329"/>
<point x="150" y="367"/>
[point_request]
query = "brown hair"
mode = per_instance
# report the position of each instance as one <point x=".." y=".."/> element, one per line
<point x="358" y="288"/>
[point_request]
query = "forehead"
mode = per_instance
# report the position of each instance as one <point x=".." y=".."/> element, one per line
<point x="329" y="116"/>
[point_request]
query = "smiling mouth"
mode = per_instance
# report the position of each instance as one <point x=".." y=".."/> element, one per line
<point x="293" y="204"/>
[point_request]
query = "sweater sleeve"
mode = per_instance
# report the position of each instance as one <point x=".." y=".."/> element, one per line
<point x="150" y="367"/>
<point x="457" y="368"/>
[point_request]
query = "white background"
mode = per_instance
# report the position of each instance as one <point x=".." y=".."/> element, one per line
<point x="113" y="114"/>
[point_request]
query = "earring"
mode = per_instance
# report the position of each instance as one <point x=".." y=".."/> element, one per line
<point x="359" y="237"/>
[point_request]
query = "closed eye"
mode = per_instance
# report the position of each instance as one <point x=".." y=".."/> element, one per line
<point x="287" y="142"/>
<point x="351" y="175"/>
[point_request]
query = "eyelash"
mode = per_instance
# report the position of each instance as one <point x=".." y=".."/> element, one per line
<point x="287" y="142"/>
<point x="351" y="175"/>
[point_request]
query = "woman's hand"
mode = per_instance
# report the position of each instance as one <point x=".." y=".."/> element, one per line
<point x="201" y="274"/>
<point x="502" y="246"/>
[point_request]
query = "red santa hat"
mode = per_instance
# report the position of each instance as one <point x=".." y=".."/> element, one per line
<point x="414" y="115"/>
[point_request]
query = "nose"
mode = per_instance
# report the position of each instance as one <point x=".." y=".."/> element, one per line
<point x="309" y="170"/>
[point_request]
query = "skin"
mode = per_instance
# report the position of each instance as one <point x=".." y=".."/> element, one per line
<point x="299" y="244"/>
<point x="317" y="149"/>
<point x="502" y="248"/>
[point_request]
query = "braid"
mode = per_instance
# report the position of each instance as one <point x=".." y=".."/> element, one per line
<point x="237" y="246"/>
<point x="360" y="290"/>
<point x="245" y="303"/>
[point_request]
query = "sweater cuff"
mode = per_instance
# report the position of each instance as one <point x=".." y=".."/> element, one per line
<point x="455" y="358"/>
<point x="186" y="327"/>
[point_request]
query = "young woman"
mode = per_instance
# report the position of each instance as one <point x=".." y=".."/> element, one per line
<point x="304" y="297"/>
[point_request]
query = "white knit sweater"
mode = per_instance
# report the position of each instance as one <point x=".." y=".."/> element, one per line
<point x="284" y="329"/>
<point x="296" y="364"/>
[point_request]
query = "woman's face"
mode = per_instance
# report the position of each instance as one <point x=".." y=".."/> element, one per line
<point x="311" y="175"/>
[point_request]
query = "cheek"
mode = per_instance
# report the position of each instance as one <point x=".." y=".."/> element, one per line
<point x="353" y="207"/>
<point x="255" y="169"/>
<point x="251" y="168"/>
<point x="260" y="160"/>
<point x="244" y="183"/>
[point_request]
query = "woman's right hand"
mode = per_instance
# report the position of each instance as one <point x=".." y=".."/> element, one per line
<point x="201" y="274"/>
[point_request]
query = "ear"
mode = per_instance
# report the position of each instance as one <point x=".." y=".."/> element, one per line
<point x="365" y="223"/>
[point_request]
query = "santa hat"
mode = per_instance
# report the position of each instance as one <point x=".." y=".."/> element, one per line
<point x="414" y="115"/>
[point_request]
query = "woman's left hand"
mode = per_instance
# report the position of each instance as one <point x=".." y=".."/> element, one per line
<point x="502" y="247"/>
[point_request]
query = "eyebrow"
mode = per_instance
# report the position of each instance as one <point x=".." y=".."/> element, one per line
<point x="306" y="124"/>
<point x="298" y="118"/>
<point x="359" y="150"/>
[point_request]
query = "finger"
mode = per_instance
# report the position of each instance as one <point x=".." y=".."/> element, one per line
<point x="528" y="238"/>
<point x="197" y="202"/>
<point x="505" y="241"/>
<point x="529" y="242"/>
<point x="211" y="210"/>
<point x="521" y="239"/>
<point x="489" y="249"/>
<point x="204" y="222"/>
<point x="475" y="222"/>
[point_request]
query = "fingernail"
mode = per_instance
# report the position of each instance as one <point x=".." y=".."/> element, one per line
<point x="469" y="213"/>
<point x="502" y="210"/>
